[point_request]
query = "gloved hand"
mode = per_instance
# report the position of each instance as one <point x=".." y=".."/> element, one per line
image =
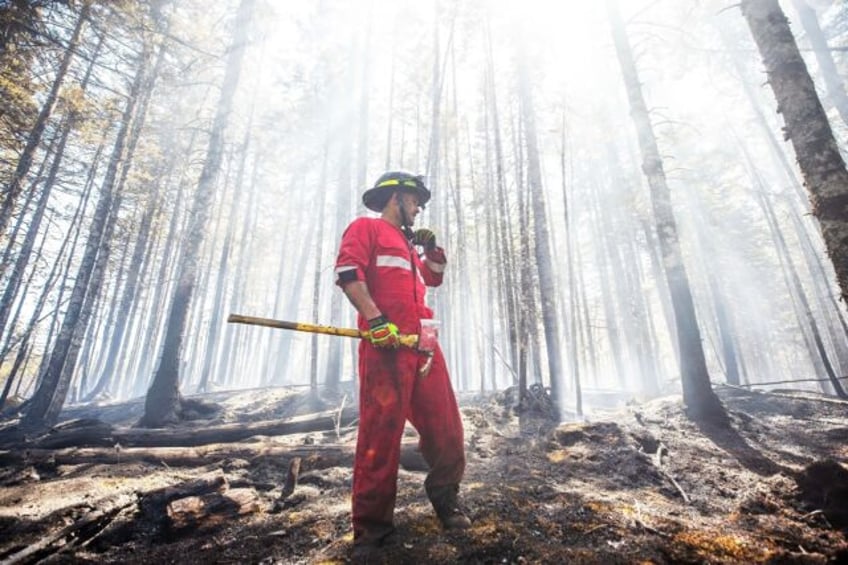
<point x="383" y="333"/>
<point x="426" y="238"/>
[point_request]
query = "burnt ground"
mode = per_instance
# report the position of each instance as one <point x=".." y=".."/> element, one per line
<point x="642" y="484"/>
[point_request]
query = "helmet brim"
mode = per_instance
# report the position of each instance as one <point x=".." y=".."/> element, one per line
<point x="376" y="198"/>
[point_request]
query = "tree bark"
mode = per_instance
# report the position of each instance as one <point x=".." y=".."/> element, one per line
<point x="807" y="128"/>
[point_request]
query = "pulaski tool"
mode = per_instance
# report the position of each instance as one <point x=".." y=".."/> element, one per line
<point x="425" y="342"/>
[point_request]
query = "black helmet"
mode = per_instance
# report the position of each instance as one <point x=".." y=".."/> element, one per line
<point x="376" y="197"/>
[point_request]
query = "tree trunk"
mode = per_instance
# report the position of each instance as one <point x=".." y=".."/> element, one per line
<point x="526" y="290"/>
<point x="827" y="67"/>
<point x="152" y="338"/>
<point x="215" y="327"/>
<point x="572" y="280"/>
<point x="317" y="275"/>
<point x="133" y="271"/>
<point x="545" y="260"/>
<point x="795" y="285"/>
<point x="504" y="239"/>
<point x="607" y="280"/>
<point x="227" y="363"/>
<point x="162" y="405"/>
<point x="338" y="315"/>
<point x="697" y="391"/>
<point x="50" y="396"/>
<point x="807" y="128"/>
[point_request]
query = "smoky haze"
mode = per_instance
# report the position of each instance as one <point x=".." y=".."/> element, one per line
<point x="333" y="93"/>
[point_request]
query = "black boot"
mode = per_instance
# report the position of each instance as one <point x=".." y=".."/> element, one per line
<point x="445" y="500"/>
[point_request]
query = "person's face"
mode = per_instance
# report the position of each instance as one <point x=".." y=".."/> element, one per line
<point x="408" y="202"/>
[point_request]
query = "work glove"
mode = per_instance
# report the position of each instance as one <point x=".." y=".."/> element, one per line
<point x="383" y="333"/>
<point x="425" y="238"/>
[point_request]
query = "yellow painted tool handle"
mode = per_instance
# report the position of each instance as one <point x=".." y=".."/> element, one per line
<point x="405" y="340"/>
<point x="297" y="326"/>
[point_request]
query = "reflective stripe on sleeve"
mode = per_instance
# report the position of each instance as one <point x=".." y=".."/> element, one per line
<point x="393" y="261"/>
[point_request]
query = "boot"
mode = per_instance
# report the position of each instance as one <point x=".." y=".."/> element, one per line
<point x="445" y="500"/>
<point x="369" y="546"/>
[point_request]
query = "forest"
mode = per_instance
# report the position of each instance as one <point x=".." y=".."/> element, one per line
<point x="644" y="206"/>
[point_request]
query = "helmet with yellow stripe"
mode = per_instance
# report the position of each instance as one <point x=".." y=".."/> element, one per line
<point x="376" y="197"/>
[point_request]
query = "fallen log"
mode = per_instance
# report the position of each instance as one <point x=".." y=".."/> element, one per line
<point x="87" y="433"/>
<point x="321" y="422"/>
<point x="318" y="456"/>
<point x="152" y="504"/>
<point x="209" y="510"/>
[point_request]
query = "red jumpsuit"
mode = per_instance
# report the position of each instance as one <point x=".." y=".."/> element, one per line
<point x="391" y="391"/>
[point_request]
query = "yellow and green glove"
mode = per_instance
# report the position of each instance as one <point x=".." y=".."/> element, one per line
<point x="383" y="333"/>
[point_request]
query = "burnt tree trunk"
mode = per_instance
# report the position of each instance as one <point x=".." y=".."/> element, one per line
<point x="50" y="396"/>
<point x="807" y="128"/>
<point x="504" y="238"/>
<point x="130" y="286"/>
<point x="700" y="399"/>
<point x="163" y="402"/>
<point x="317" y="275"/>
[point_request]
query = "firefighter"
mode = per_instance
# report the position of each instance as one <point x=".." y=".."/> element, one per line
<point x="381" y="273"/>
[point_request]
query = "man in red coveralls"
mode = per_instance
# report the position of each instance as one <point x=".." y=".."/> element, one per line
<point x="383" y="276"/>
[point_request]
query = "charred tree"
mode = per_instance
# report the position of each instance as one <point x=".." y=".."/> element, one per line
<point x="808" y="232"/>
<point x="163" y="404"/>
<point x="804" y="308"/>
<point x="503" y="232"/>
<point x="316" y="278"/>
<point x="807" y="128"/>
<point x="151" y="340"/>
<point x="50" y="396"/>
<point x="542" y="249"/>
<point x="215" y="327"/>
<point x="700" y="399"/>
<point x="132" y="272"/>
<point x="572" y="279"/>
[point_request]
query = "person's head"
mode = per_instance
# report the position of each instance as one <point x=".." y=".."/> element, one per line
<point x="398" y="195"/>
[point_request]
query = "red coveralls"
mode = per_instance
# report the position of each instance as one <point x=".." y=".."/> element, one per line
<point x="390" y="389"/>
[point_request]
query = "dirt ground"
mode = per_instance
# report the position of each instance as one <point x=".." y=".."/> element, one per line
<point x="641" y="484"/>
